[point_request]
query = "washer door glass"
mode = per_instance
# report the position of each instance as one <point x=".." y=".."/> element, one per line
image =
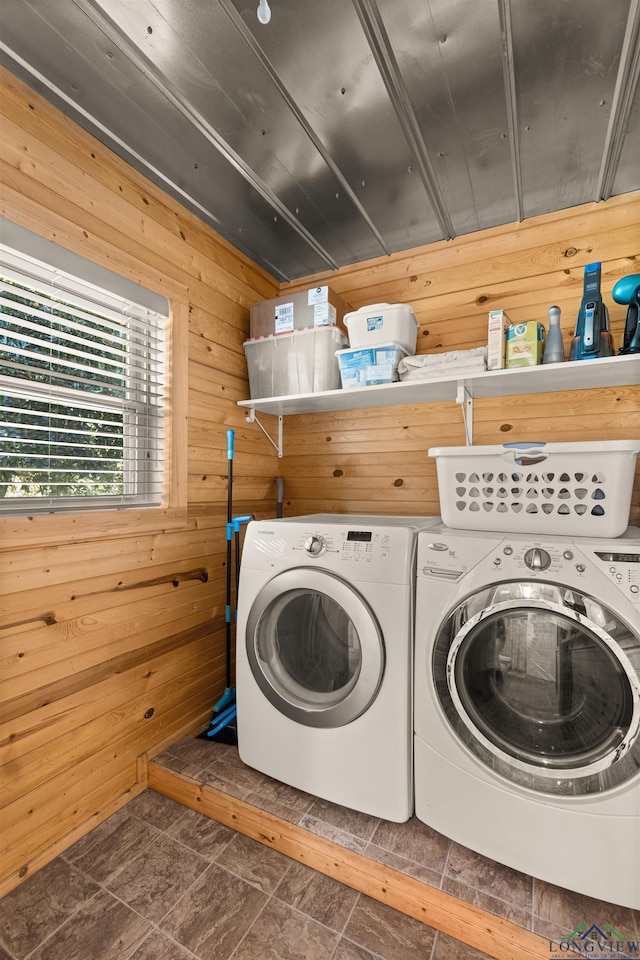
<point x="315" y="648"/>
<point x="542" y="684"/>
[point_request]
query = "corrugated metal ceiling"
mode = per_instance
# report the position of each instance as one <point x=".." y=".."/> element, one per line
<point x="347" y="129"/>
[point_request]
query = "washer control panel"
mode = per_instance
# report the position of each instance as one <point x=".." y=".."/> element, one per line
<point x="623" y="567"/>
<point x="558" y="558"/>
<point x="450" y="557"/>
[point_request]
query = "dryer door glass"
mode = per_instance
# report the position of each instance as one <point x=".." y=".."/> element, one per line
<point x="315" y="648"/>
<point x="542" y="684"/>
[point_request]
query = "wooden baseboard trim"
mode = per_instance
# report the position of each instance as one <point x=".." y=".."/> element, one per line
<point x="495" y="936"/>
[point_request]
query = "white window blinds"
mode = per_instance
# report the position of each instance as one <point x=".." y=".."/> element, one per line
<point x="81" y="393"/>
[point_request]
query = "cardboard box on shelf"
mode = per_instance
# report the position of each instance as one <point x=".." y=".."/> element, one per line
<point x="525" y="344"/>
<point x="497" y="339"/>
<point x="315" y="307"/>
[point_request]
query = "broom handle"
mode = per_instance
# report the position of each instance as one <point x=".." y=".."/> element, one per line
<point x="230" y="438"/>
<point x="230" y="441"/>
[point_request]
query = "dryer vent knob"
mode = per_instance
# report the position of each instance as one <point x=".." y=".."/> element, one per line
<point x="314" y="545"/>
<point x="537" y="559"/>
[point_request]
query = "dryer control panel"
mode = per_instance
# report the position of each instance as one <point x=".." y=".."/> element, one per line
<point x="374" y="554"/>
<point x="354" y="546"/>
<point x="358" y="545"/>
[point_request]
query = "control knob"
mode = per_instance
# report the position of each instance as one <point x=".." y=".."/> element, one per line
<point x="537" y="559"/>
<point x="314" y="545"/>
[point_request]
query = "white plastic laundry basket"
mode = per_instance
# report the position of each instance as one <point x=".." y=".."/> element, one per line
<point x="578" y="489"/>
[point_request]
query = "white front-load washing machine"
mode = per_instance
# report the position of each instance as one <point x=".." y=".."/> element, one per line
<point x="527" y="703"/>
<point x="324" y="657"/>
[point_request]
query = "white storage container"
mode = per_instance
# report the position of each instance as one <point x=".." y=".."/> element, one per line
<point x="383" y="323"/>
<point x="573" y="489"/>
<point x="369" y="367"/>
<point x="286" y="364"/>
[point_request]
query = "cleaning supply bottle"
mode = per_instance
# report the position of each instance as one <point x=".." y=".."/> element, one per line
<point x="554" y="347"/>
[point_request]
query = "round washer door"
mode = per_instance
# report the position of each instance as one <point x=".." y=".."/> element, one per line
<point x="542" y="684"/>
<point x="315" y="648"/>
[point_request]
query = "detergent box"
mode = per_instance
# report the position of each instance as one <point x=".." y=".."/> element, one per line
<point x="525" y="344"/>
<point x="496" y="339"/>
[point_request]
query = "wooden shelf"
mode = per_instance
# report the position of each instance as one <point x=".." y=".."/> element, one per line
<point x="579" y="375"/>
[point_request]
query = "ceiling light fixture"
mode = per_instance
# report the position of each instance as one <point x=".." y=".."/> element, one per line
<point x="264" y="12"/>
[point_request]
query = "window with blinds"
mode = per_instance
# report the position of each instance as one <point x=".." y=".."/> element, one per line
<point x="81" y="393"/>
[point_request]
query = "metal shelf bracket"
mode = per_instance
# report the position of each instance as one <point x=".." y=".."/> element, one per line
<point x="465" y="401"/>
<point x="252" y="418"/>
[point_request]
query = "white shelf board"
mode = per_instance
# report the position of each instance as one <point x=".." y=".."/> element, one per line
<point x="546" y="378"/>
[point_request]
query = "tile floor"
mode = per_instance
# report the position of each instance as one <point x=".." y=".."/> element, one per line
<point x="157" y="881"/>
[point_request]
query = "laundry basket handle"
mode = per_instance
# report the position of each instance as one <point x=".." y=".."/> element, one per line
<point x="525" y="454"/>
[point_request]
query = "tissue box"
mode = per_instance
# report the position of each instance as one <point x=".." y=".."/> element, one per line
<point x="496" y="339"/>
<point x="316" y="307"/>
<point x="525" y="344"/>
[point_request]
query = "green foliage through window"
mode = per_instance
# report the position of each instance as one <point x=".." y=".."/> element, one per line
<point x="81" y="395"/>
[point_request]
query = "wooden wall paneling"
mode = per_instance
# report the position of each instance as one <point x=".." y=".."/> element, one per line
<point x="64" y="562"/>
<point x="202" y="350"/>
<point x="41" y="764"/>
<point x="77" y="613"/>
<point x="490" y="294"/>
<point x="47" y="668"/>
<point x="58" y="719"/>
<point x="56" y="805"/>
<point x="45" y="529"/>
<point x="215" y="385"/>
<point x="222" y="320"/>
<point x="62" y="687"/>
<point x="521" y="268"/>
<point x="22" y="604"/>
<point x="441" y="336"/>
<point x="329" y="450"/>
<point x="514" y="266"/>
<point x="92" y="625"/>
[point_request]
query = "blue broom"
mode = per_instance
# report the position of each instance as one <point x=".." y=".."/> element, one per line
<point x="224" y="711"/>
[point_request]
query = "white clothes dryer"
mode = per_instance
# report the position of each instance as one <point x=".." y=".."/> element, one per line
<point x="527" y="703"/>
<point x="324" y="657"/>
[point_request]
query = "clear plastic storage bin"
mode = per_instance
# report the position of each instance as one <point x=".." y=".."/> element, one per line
<point x="291" y="363"/>
<point x="577" y="489"/>
<point x="370" y="367"/>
